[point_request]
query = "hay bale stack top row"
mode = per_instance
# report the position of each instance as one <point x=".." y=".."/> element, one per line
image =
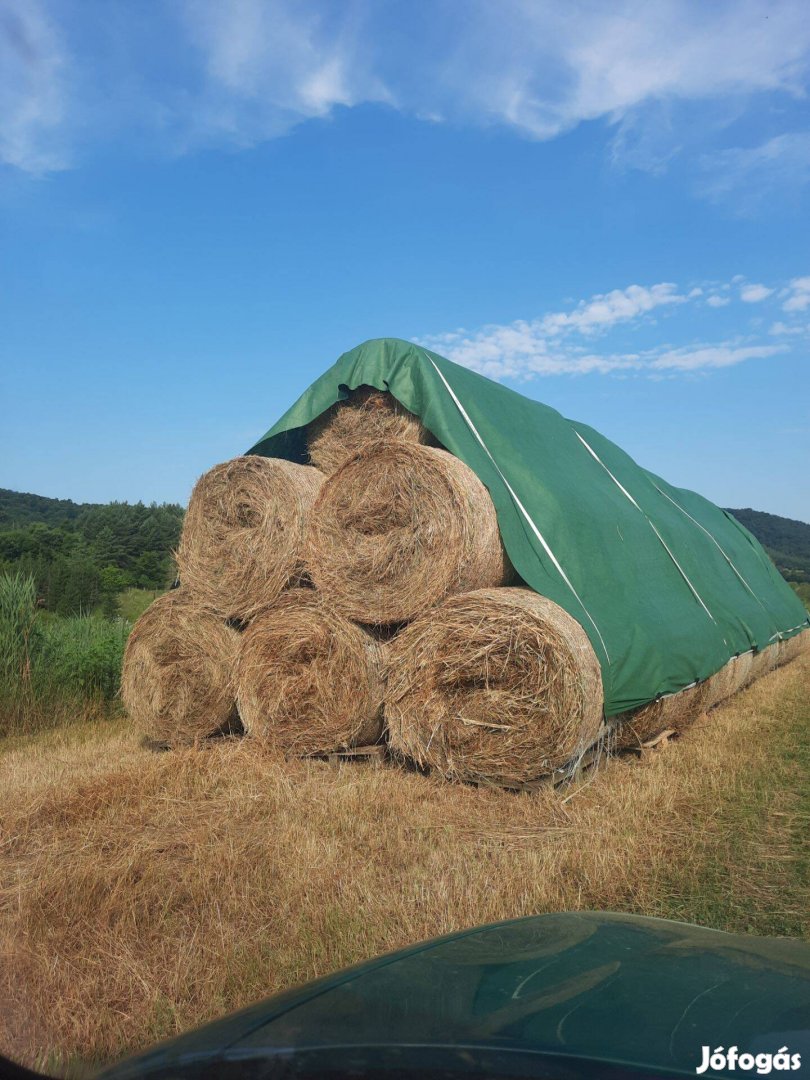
<point x="417" y="551"/>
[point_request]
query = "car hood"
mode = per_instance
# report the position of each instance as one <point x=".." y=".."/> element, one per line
<point x="626" y="990"/>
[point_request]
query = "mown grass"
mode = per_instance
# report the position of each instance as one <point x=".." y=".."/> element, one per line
<point x="145" y="893"/>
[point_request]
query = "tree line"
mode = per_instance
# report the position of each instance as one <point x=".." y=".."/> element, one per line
<point x="82" y="555"/>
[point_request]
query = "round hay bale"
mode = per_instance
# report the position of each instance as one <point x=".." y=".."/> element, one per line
<point x="398" y="528"/>
<point x="793" y="647"/>
<point x="308" y="680"/>
<point x="633" y="728"/>
<point x="243" y="533"/>
<point x="367" y="415"/>
<point x="763" y="661"/>
<point x="741" y="666"/>
<point x="177" y="680"/>
<point x="674" y="711"/>
<point x="680" y="710"/>
<point x="493" y="686"/>
<point x="721" y="685"/>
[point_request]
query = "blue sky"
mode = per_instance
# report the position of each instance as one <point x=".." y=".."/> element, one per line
<point x="204" y="202"/>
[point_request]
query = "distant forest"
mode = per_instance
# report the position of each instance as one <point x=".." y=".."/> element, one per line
<point x="82" y="555"/>
<point x="786" y="541"/>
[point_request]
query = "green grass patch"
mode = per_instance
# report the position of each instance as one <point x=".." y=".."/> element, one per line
<point x="54" y="668"/>
<point x="749" y="871"/>
<point x="132" y="603"/>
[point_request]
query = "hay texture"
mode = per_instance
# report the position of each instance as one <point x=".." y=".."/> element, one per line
<point x="741" y="666"/>
<point x="496" y="685"/>
<point x="309" y="681"/>
<point x="673" y="712"/>
<point x="243" y="533"/>
<point x="764" y="660"/>
<point x="732" y="677"/>
<point x="398" y="528"/>
<point x="721" y="685"/>
<point x="366" y="415"/>
<point x="794" y="647"/>
<point x="178" y="675"/>
<point x="678" y="711"/>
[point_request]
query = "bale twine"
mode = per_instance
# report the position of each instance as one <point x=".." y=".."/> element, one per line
<point x="243" y="533"/>
<point x="177" y="679"/>
<point x="308" y="680"/>
<point x="367" y="415"/>
<point x="493" y="686"/>
<point x="399" y="527"/>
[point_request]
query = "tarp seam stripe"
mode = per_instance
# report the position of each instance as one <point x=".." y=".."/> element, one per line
<point x="618" y="483"/>
<point x="649" y="522"/>
<point x="518" y="503"/>
<point x="683" y="572"/>
<point x="723" y="553"/>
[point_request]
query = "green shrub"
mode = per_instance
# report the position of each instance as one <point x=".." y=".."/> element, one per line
<point x="19" y="631"/>
<point x="81" y="656"/>
<point x="53" y="667"/>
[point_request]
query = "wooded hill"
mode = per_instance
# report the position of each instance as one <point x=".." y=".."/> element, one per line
<point x="786" y="541"/>
<point x="80" y="553"/>
<point x="83" y="553"/>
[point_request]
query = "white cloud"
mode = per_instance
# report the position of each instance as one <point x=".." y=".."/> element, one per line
<point x="541" y="68"/>
<point x="523" y="349"/>
<point x="235" y="72"/>
<point x="782" y="328"/>
<point x="32" y="89"/>
<point x="605" y="310"/>
<point x="753" y="294"/>
<point x="561" y="342"/>
<point x="712" y="356"/>
<point x="798" y="295"/>
<point x="579" y="61"/>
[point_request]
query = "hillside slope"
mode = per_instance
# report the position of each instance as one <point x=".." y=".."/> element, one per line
<point x="78" y="553"/>
<point x="786" y="541"/>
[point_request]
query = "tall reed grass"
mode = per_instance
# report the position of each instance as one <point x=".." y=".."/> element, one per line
<point x="53" y="667"/>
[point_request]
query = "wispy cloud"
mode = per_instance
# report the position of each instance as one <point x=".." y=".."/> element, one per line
<point x="242" y="71"/>
<point x="33" y="92"/>
<point x="607" y="309"/>
<point x="544" y="346"/>
<point x="781" y="329"/>
<point x="754" y="174"/>
<point x="563" y="342"/>
<point x="724" y="354"/>
<point x="269" y="66"/>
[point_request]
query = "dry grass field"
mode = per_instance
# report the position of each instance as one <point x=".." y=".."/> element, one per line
<point x="144" y="893"/>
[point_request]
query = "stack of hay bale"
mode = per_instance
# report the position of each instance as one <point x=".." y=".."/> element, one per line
<point x="367" y="596"/>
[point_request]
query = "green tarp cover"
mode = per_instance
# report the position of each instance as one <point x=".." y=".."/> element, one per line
<point x="667" y="585"/>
